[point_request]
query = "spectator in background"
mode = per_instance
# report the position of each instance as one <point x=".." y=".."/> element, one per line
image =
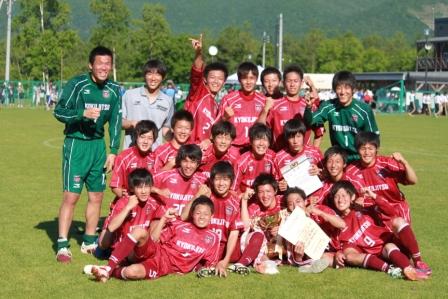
<point x="21" y="94"/>
<point x="426" y="107"/>
<point x="170" y="89"/>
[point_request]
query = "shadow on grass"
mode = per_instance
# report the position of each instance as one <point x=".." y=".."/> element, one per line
<point x="76" y="230"/>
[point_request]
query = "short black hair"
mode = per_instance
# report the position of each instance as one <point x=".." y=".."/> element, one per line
<point x="100" y="51"/>
<point x="223" y="127"/>
<point x="292" y="190"/>
<point x="182" y="115"/>
<point x="292" y="127"/>
<point x="259" y="131"/>
<point x="216" y="66"/>
<point x="245" y="68"/>
<point x="344" y="77"/>
<point x="293" y="68"/>
<point x="363" y="138"/>
<point x="191" y="151"/>
<point x="145" y="126"/>
<point x="155" y="64"/>
<point x="335" y="150"/>
<point x="265" y="179"/>
<point x="223" y="168"/>
<point x="201" y="200"/>
<point x="343" y="184"/>
<point x="270" y="70"/>
<point x="139" y="177"/>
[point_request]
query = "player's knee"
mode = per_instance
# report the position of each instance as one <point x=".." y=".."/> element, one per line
<point x="388" y="248"/>
<point x="398" y="223"/>
<point x="134" y="272"/>
<point x="95" y="197"/>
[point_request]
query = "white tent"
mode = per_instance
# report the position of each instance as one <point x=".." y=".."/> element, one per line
<point x="233" y="79"/>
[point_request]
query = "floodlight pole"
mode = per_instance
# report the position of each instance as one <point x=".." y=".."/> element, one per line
<point x="428" y="47"/>
<point x="8" y="41"/>
<point x="280" y="42"/>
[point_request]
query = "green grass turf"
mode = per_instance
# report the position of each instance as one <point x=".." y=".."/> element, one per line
<point x="30" y="194"/>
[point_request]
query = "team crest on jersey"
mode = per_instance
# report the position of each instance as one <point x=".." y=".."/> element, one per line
<point x="194" y="185"/>
<point x="229" y="210"/>
<point x="208" y="239"/>
<point x="133" y="214"/>
<point x="106" y="94"/>
<point x="355" y="117"/>
<point x="250" y="168"/>
<point x="150" y="165"/>
<point x="258" y="107"/>
<point x="148" y="210"/>
<point x="358" y="214"/>
<point x="267" y="167"/>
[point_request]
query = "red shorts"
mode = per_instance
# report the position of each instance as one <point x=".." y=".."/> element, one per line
<point x="377" y="249"/>
<point x="153" y="258"/>
<point x="401" y="210"/>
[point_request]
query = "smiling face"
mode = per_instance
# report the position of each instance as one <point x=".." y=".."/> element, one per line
<point x="221" y="185"/>
<point x="153" y="80"/>
<point x="201" y="216"/>
<point x="344" y="93"/>
<point x="182" y="131"/>
<point x="294" y="200"/>
<point x="343" y="200"/>
<point x="248" y="83"/>
<point x="260" y="146"/>
<point x="144" y="142"/>
<point x="222" y="143"/>
<point x="142" y="192"/>
<point x="266" y="196"/>
<point x="101" y="68"/>
<point x="335" y="167"/>
<point x="188" y="167"/>
<point x="367" y="153"/>
<point x="271" y="83"/>
<point x="215" y="81"/>
<point x="292" y="84"/>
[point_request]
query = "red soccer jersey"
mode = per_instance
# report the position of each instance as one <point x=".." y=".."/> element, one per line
<point x="226" y="218"/>
<point x="362" y="232"/>
<point x="126" y="162"/>
<point x="187" y="246"/>
<point x="181" y="189"/>
<point x="140" y="216"/>
<point x="248" y="168"/>
<point x="283" y="110"/>
<point x="284" y="157"/>
<point x="162" y="155"/>
<point x="246" y="111"/>
<point x="202" y="105"/>
<point x="209" y="158"/>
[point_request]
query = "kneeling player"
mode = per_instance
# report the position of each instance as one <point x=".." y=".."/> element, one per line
<point x="364" y="244"/>
<point x="179" y="248"/>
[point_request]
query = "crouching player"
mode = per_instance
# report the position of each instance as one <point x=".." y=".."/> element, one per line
<point x="179" y="248"/>
<point x="135" y="210"/>
<point x="364" y="244"/>
<point x="325" y="217"/>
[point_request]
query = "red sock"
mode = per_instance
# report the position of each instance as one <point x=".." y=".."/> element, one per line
<point x="252" y="249"/>
<point x="117" y="273"/>
<point x="398" y="258"/>
<point x="123" y="249"/>
<point x="408" y="239"/>
<point x="375" y="263"/>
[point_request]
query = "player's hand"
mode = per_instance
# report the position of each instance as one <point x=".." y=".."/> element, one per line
<point x="367" y="192"/>
<point x="170" y="164"/>
<point x="282" y="185"/>
<point x="92" y="113"/>
<point x="247" y="194"/>
<point x="268" y="105"/>
<point x="133" y="202"/>
<point x="170" y="214"/>
<point x="307" y="80"/>
<point x="197" y="43"/>
<point x="314" y="170"/>
<point x="299" y="250"/>
<point x="313" y="200"/>
<point x="274" y="231"/>
<point x="221" y="269"/>
<point x="203" y="190"/>
<point x="205" y="144"/>
<point x="109" y="162"/>
<point x="228" y="113"/>
<point x="398" y="157"/>
<point x="339" y="259"/>
<point x="124" y="192"/>
<point x="309" y="101"/>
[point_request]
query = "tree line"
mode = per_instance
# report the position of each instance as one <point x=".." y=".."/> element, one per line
<point x="44" y="44"/>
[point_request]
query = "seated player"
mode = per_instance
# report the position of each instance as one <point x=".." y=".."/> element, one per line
<point x="364" y="244"/>
<point x="346" y="117"/>
<point x="325" y="217"/>
<point x="277" y="112"/>
<point x="226" y="218"/>
<point x="242" y="107"/>
<point x="165" y="155"/>
<point x="179" y="185"/>
<point x="179" y="248"/>
<point x="134" y="210"/>
<point x="137" y="156"/>
<point x="223" y="132"/>
<point x="260" y="159"/>
<point x="294" y="133"/>
<point x="205" y="83"/>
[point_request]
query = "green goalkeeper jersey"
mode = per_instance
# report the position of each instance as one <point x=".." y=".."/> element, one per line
<point x="343" y="122"/>
<point x="82" y="93"/>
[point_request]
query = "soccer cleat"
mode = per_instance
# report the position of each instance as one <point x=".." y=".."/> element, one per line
<point x="101" y="273"/>
<point x="206" y="272"/>
<point x="239" y="269"/>
<point x="316" y="266"/>
<point x="423" y="267"/>
<point x="64" y="255"/>
<point x="88" y="248"/>
<point x="412" y="274"/>
<point x="395" y="272"/>
<point x="88" y="269"/>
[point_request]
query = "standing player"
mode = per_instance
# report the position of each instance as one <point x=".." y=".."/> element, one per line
<point x="270" y="79"/>
<point x="179" y="248"/>
<point x="345" y="116"/>
<point x="276" y="113"/>
<point x="205" y="84"/>
<point x="87" y="103"/>
<point x="184" y="180"/>
<point x="165" y="155"/>
<point x="242" y="107"/>
<point x="148" y="102"/>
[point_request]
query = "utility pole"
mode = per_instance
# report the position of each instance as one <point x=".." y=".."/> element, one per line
<point x="8" y="45"/>
<point x="280" y="43"/>
<point x="265" y="40"/>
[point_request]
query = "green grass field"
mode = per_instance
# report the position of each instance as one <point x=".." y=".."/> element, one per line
<point x="30" y="194"/>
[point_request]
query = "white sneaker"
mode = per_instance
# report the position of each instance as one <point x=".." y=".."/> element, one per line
<point x="395" y="272"/>
<point x="88" y="269"/>
<point x="64" y="255"/>
<point x="316" y="266"/>
<point x="239" y="268"/>
<point x="88" y="249"/>
<point x="101" y="273"/>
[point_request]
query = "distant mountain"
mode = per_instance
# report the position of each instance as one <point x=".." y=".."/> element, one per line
<point x="362" y="17"/>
